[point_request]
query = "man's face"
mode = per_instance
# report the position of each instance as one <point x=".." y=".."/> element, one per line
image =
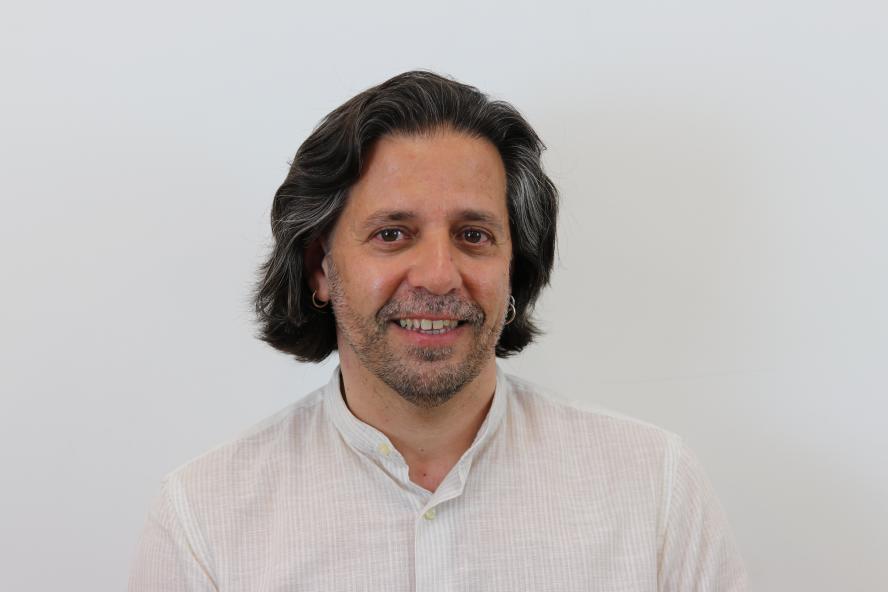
<point x="418" y="264"/>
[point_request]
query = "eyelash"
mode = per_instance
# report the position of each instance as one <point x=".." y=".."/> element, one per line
<point x="487" y="235"/>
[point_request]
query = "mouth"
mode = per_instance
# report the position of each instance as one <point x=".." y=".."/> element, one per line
<point x="427" y="326"/>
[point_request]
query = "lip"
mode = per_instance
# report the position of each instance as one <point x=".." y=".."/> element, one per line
<point x="425" y="340"/>
<point x="425" y="315"/>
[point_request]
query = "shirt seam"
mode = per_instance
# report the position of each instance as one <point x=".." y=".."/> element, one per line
<point x="670" y="467"/>
<point x="195" y="544"/>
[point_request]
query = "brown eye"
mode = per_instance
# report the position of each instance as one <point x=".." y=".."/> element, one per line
<point x="390" y="235"/>
<point x="474" y="236"/>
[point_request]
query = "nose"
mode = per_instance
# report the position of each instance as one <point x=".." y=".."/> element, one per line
<point x="434" y="266"/>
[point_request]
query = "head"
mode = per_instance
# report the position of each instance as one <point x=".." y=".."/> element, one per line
<point x="330" y="165"/>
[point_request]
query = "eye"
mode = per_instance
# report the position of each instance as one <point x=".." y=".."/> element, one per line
<point x="390" y="235"/>
<point x="475" y="236"/>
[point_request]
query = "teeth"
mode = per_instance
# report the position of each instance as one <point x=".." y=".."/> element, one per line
<point x="428" y="325"/>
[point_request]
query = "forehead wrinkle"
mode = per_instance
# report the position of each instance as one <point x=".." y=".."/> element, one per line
<point x="395" y="156"/>
<point x="403" y="172"/>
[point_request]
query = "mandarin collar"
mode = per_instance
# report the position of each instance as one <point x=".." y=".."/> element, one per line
<point x="373" y="443"/>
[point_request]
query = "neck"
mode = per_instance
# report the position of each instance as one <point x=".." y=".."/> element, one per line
<point x="431" y="440"/>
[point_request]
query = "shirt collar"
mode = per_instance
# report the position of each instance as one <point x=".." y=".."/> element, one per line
<point x="373" y="443"/>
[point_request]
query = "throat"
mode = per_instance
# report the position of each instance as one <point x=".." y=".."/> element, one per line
<point x="429" y="476"/>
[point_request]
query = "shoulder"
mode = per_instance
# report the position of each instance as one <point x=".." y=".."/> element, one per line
<point x="556" y="418"/>
<point x="254" y="452"/>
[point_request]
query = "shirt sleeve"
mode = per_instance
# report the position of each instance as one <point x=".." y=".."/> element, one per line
<point x="698" y="552"/>
<point x="165" y="560"/>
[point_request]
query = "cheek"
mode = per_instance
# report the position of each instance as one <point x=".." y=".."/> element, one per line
<point x="369" y="285"/>
<point x="489" y="284"/>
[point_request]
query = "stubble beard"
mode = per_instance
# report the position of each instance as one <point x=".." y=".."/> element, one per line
<point x="424" y="376"/>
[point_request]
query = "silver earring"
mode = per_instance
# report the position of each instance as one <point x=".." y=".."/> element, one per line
<point x="319" y="304"/>
<point x="512" y="312"/>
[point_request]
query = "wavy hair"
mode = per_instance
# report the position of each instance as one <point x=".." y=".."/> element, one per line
<point x="328" y="163"/>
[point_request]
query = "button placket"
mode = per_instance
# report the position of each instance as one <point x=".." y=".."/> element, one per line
<point x="433" y="553"/>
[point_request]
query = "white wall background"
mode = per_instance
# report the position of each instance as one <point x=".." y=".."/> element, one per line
<point x="723" y="253"/>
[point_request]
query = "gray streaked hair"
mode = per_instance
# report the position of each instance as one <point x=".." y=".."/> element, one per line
<point x="328" y="163"/>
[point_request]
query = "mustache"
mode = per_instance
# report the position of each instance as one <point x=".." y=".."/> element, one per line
<point x="417" y="304"/>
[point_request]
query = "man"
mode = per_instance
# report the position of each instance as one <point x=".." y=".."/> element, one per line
<point x="413" y="235"/>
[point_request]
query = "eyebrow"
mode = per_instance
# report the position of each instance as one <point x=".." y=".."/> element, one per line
<point x="385" y="216"/>
<point x="381" y="217"/>
<point x="485" y="218"/>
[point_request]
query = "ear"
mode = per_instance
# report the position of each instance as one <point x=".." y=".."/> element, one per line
<point x="316" y="269"/>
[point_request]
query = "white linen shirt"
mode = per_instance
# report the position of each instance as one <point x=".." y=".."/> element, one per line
<point x="548" y="497"/>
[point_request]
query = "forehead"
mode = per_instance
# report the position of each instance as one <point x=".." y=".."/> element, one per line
<point x="436" y="173"/>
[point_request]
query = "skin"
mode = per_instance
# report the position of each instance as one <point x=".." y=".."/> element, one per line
<point x="424" y="234"/>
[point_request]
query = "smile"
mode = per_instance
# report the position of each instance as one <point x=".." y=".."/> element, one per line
<point x="429" y="326"/>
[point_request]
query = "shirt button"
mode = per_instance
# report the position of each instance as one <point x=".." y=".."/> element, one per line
<point x="384" y="449"/>
<point x="430" y="514"/>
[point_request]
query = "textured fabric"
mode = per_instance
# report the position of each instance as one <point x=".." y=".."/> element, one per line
<point x="548" y="497"/>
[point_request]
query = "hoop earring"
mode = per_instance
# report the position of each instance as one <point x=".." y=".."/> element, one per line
<point x="512" y="309"/>
<point x="319" y="304"/>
